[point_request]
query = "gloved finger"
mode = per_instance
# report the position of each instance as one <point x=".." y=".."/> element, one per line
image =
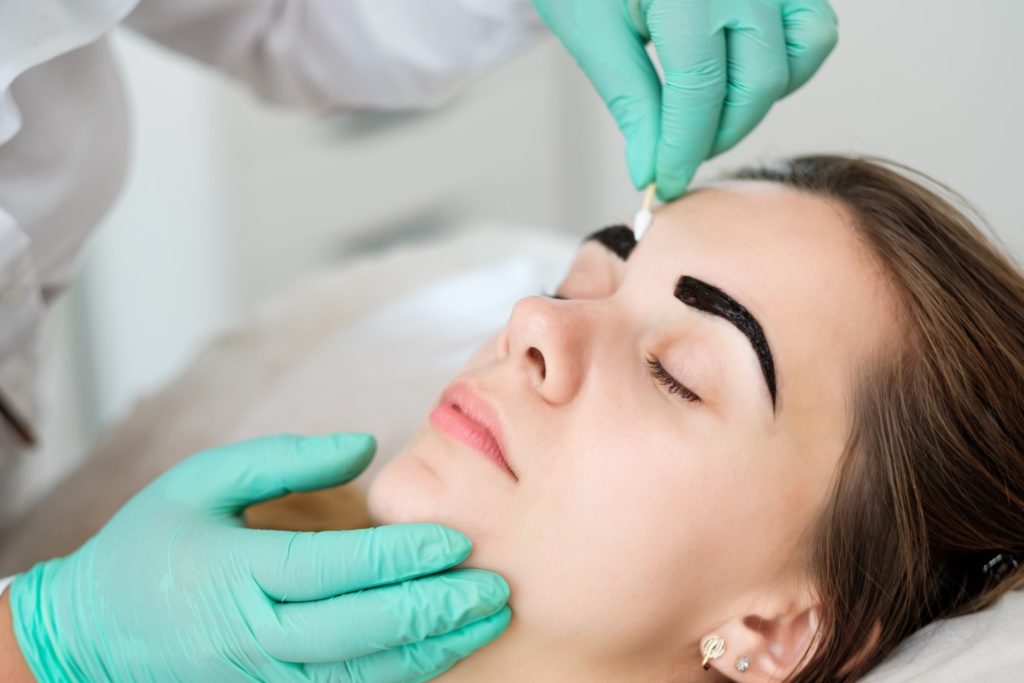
<point x="691" y="49"/>
<point x="378" y="619"/>
<point x="231" y="478"/>
<point x="416" y="662"/>
<point x="612" y="55"/>
<point x="812" y="31"/>
<point x="293" y="566"/>
<point x="758" y="72"/>
<point x="635" y="104"/>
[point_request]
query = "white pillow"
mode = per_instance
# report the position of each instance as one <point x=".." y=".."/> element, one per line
<point x="985" y="646"/>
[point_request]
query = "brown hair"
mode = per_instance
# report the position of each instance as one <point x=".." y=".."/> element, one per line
<point x="926" y="517"/>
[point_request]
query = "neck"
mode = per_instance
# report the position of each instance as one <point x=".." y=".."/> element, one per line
<point x="519" y="656"/>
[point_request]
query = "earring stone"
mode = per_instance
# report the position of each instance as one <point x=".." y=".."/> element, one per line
<point x="712" y="648"/>
<point x="742" y="665"/>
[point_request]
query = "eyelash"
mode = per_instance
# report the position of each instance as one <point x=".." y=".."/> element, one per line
<point x="663" y="377"/>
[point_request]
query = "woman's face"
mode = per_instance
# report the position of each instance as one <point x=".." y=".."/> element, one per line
<point x="639" y="514"/>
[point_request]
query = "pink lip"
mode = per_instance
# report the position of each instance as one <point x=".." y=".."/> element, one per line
<point x="467" y="418"/>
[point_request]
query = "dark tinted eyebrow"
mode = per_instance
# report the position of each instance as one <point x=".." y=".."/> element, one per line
<point x="710" y="299"/>
<point x="618" y="239"/>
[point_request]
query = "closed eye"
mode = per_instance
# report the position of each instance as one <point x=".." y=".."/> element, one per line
<point x="673" y="385"/>
<point x="658" y="371"/>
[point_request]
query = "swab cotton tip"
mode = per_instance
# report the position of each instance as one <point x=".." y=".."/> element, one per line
<point x="641" y="222"/>
<point x="644" y="217"/>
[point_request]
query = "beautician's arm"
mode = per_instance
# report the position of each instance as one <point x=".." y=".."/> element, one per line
<point x="357" y="54"/>
<point x="13" y="668"/>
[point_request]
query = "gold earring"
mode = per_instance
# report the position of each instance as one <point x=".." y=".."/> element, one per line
<point x="712" y="648"/>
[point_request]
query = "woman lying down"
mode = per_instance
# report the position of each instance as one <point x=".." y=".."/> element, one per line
<point x="777" y="436"/>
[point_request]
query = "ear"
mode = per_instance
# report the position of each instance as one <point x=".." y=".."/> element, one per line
<point x="773" y="639"/>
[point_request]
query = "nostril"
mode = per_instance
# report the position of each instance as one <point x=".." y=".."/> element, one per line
<point x="534" y="354"/>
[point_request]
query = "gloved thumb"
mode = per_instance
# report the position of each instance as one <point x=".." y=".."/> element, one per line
<point x="231" y="478"/>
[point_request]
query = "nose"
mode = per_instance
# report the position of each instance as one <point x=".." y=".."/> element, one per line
<point x="547" y="340"/>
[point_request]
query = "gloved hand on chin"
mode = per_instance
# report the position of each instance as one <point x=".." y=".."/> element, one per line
<point x="176" y="588"/>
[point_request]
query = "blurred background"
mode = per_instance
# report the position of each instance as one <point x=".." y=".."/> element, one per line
<point x="229" y="200"/>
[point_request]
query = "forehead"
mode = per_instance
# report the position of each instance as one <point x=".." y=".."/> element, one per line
<point x="794" y="260"/>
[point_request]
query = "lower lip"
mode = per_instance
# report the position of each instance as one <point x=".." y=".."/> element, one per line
<point x="449" y="420"/>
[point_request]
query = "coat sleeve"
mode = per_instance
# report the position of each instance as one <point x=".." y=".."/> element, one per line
<point x="349" y="54"/>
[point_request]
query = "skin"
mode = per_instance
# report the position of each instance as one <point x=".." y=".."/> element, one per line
<point x="12" y="665"/>
<point x="641" y="523"/>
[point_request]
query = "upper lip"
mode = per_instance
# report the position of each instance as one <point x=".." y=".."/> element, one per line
<point x="478" y="409"/>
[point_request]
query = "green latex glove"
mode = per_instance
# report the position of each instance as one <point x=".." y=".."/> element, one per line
<point x="725" y="64"/>
<point x="175" y="588"/>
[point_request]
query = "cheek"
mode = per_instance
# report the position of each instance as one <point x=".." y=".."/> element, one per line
<point x="615" y="542"/>
<point x="637" y="529"/>
<point x="763" y="507"/>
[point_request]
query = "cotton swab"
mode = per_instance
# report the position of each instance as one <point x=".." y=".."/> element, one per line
<point x="644" y="217"/>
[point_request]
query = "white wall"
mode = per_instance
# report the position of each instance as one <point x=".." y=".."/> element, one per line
<point x="229" y="201"/>
<point x="935" y="84"/>
<point x="157" y="278"/>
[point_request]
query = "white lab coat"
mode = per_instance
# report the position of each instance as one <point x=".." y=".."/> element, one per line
<point x="64" y="131"/>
